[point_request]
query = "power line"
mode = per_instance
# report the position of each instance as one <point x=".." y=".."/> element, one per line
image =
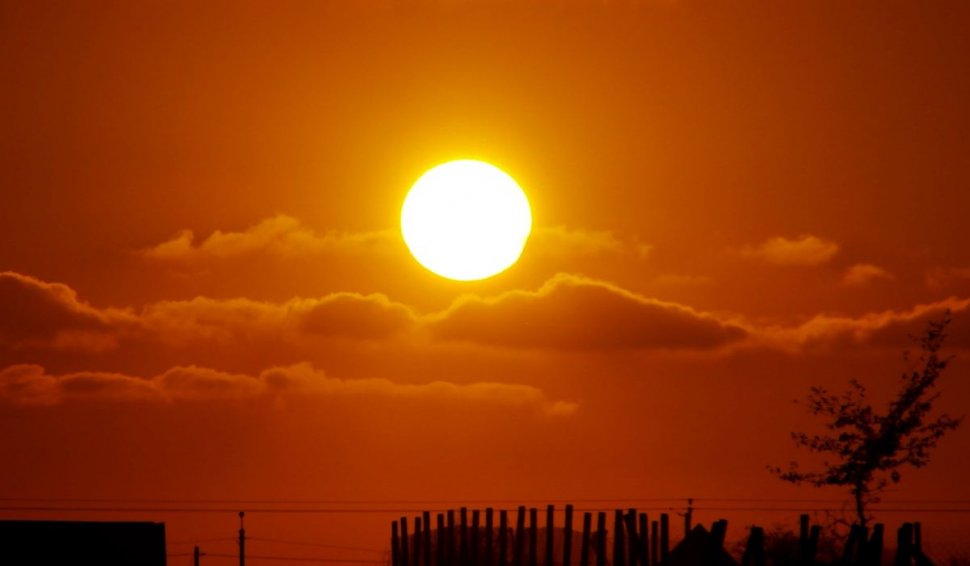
<point x="264" y="510"/>
<point x="317" y="544"/>
<point x="280" y="510"/>
<point x="377" y="511"/>
<point x="339" y="501"/>
<point x="452" y="501"/>
<point x="202" y="540"/>
<point x="872" y="509"/>
<point x="299" y="559"/>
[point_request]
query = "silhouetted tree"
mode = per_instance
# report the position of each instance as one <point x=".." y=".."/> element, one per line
<point x="868" y="448"/>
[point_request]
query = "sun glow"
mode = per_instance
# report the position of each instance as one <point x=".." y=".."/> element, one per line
<point x="466" y="220"/>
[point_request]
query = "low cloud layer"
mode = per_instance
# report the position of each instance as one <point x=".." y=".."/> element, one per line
<point x="286" y="236"/>
<point x="805" y="250"/>
<point x="942" y="278"/>
<point x="862" y="274"/>
<point x="563" y="241"/>
<point x="278" y="235"/>
<point x="567" y="312"/>
<point x="575" y="313"/>
<point x="41" y="314"/>
<point x="890" y="329"/>
<point x="31" y="384"/>
<point x="48" y="323"/>
<point x="339" y="315"/>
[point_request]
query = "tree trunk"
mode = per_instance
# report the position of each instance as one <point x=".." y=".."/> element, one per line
<point x="860" y="506"/>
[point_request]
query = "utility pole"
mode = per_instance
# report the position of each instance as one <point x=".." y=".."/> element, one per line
<point x="688" y="515"/>
<point x="242" y="540"/>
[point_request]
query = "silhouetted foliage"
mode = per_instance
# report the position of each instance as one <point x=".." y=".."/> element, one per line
<point x="869" y="447"/>
<point x="781" y="548"/>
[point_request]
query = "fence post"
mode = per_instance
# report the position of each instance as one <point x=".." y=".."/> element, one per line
<point x="644" y="541"/>
<point x="550" y="535"/>
<point x="427" y="538"/>
<point x="601" y="539"/>
<point x="807" y="541"/>
<point x="417" y="541"/>
<point x="619" y="546"/>
<point x="584" y="544"/>
<point x="813" y="537"/>
<point x="567" y="536"/>
<point x="473" y="554"/>
<point x="533" y="536"/>
<point x="503" y="534"/>
<point x="489" y="528"/>
<point x="395" y="545"/>
<point x="519" y="546"/>
<point x="917" y="539"/>
<point x="904" y="545"/>
<point x="688" y="515"/>
<point x="440" y="541"/>
<point x="404" y="542"/>
<point x="664" y="537"/>
<point x="452" y="549"/>
<point x="874" y="550"/>
<point x="849" y="550"/>
<point x="718" y="532"/>
<point x="463" y="536"/>
<point x="754" y="550"/>
<point x="633" y="541"/>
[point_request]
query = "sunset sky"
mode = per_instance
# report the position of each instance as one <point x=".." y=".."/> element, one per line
<point x="205" y="295"/>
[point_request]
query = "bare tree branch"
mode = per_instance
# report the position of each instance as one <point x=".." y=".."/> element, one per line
<point x="868" y="448"/>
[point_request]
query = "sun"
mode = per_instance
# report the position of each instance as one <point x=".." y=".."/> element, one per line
<point x="466" y="220"/>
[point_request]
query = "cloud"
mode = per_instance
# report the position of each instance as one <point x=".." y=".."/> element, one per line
<point x="286" y="236"/>
<point x="280" y="235"/>
<point x="803" y="250"/>
<point x="30" y="384"/>
<point x="864" y="273"/>
<point x="25" y="384"/>
<point x="338" y="315"/>
<point x="887" y="329"/>
<point x="567" y="312"/>
<point x="358" y="316"/>
<point x="575" y="313"/>
<point x="38" y="314"/>
<point x="41" y="314"/>
<point x="563" y="241"/>
<point x="48" y="322"/>
<point x="939" y="278"/>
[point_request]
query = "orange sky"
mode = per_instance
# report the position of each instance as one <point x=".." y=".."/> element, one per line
<point x="205" y="296"/>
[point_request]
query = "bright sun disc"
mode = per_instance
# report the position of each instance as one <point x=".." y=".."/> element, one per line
<point x="466" y="220"/>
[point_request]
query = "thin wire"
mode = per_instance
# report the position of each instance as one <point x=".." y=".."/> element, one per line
<point x="306" y="510"/>
<point x="299" y="559"/>
<point x="318" y="544"/>
<point x="339" y="501"/>
<point x="209" y="510"/>
<point x="803" y="510"/>
<point x="277" y="510"/>
<point x="201" y="540"/>
<point x="454" y="501"/>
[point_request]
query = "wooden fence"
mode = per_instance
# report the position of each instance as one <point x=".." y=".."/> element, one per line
<point x="488" y="538"/>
